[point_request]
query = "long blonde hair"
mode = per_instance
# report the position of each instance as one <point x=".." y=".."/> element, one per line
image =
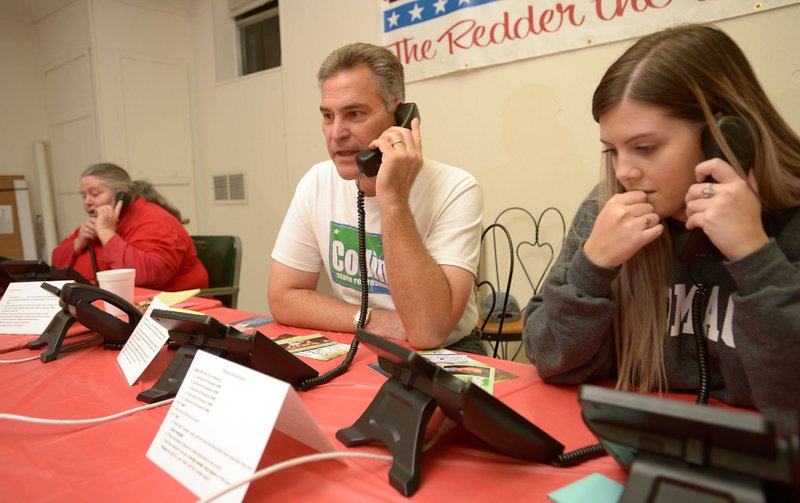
<point x="693" y="72"/>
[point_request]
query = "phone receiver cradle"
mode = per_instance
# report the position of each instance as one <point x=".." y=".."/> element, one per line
<point x="399" y="414"/>
<point x="76" y="305"/>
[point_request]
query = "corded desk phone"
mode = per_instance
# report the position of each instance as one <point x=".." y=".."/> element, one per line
<point x="76" y="305"/>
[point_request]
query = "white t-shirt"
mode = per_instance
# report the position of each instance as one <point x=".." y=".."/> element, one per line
<point x="321" y="231"/>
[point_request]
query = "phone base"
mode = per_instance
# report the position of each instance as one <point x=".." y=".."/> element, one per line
<point x="660" y="480"/>
<point x="53" y="336"/>
<point x="403" y="438"/>
<point x="170" y="381"/>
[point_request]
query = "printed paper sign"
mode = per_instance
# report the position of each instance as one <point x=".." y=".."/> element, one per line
<point x="6" y="219"/>
<point x="27" y="308"/>
<point x="222" y="417"/>
<point x="143" y="345"/>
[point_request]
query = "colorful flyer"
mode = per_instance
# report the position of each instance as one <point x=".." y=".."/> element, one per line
<point x="250" y="323"/>
<point x="315" y="346"/>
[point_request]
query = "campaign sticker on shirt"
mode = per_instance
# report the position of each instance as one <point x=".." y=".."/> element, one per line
<point x="344" y="259"/>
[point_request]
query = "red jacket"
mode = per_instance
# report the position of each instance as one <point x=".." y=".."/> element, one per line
<point x="150" y="240"/>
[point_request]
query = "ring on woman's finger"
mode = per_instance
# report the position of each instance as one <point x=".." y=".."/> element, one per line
<point x="708" y="191"/>
<point x="647" y="222"/>
<point x="395" y="142"/>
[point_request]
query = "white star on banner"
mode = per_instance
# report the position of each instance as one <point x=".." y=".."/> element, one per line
<point x="416" y="12"/>
<point x="441" y="6"/>
<point x="393" y="19"/>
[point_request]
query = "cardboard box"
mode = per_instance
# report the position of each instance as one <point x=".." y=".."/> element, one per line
<point x="16" y="229"/>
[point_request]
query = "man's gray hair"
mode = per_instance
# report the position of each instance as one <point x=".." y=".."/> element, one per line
<point x="387" y="69"/>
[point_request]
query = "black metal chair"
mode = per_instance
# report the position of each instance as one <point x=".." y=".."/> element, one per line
<point x="222" y="258"/>
<point x="534" y="257"/>
<point x="493" y="322"/>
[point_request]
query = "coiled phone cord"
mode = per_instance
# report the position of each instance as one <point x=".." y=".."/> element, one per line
<point x="362" y="268"/>
<point x="699" y="301"/>
<point x="578" y="456"/>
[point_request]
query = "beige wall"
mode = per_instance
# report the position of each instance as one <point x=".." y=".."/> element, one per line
<point x="143" y="67"/>
<point x="68" y="70"/>
<point x="22" y="113"/>
<point x="523" y="128"/>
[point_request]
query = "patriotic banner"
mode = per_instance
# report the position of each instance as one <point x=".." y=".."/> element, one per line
<point x="434" y="37"/>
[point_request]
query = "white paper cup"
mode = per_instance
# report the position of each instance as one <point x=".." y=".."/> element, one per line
<point x="120" y="282"/>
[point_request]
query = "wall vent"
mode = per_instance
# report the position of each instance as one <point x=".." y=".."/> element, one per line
<point x="229" y="188"/>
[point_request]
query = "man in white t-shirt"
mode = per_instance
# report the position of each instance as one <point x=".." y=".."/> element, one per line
<point x="423" y="220"/>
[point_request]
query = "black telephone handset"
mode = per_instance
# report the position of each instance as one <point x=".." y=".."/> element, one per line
<point x="194" y="332"/>
<point x="370" y="160"/>
<point x="695" y="247"/>
<point x="76" y="305"/>
<point x="125" y="198"/>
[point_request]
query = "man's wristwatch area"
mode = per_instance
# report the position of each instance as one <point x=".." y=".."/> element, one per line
<point x="358" y="316"/>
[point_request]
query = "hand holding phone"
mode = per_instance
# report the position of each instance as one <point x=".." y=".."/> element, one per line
<point x="107" y="217"/>
<point x="369" y="161"/>
<point x="695" y="246"/>
<point x="126" y="200"/>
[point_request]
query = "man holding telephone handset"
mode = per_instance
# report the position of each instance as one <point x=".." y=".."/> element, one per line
<point x="423" y="219"/>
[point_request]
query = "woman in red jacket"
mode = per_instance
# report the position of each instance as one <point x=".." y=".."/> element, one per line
<point x="147" y="236"/>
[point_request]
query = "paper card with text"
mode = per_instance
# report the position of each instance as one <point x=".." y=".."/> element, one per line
<point x="444" y="356"/>
<point x="143" y="345"/>
<point x="223" y="415"/>
<point x="27" y="308"/>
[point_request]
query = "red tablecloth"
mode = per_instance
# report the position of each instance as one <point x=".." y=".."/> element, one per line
<point x="106" y="462"/>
